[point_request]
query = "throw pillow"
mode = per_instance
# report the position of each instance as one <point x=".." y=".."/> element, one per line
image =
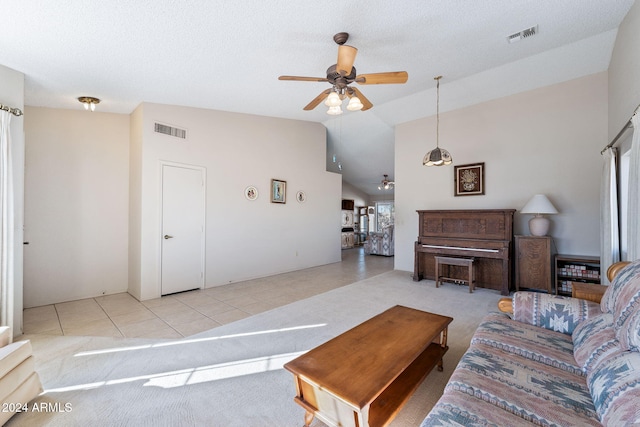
<point x="593" y="340"/>
<point x="615" y="388"/>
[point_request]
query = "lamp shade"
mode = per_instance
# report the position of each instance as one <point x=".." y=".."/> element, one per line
<point x="437" y="157"/>
<point x="539" y="204"/>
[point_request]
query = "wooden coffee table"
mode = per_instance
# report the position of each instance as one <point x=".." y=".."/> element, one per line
<point x="365" y="375"/>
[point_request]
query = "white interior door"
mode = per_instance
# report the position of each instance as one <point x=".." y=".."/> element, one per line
<point x="183" y="228"/>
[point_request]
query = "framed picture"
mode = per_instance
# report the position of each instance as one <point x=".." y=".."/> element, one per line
<point x="251" y="193"/>
<point x="469" y="179"/>
<point x="301" y="197"/>
<point x="278" y="191"/>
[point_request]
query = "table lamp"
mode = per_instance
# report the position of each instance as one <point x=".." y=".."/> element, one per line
<point x="539" y="205"/>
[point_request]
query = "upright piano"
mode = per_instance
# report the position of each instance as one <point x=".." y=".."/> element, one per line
<point x="484" y="234"/>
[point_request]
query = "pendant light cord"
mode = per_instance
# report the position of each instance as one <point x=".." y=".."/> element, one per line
<point x="437" y="79"/>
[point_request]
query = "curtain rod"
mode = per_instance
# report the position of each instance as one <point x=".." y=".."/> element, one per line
<point x="619" y="135"/>
<point x="14" y="111"/>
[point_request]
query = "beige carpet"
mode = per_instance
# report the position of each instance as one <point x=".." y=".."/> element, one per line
<point x="232" y="375"/>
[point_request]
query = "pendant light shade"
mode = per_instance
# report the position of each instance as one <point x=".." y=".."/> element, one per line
<point x="438" y="156"/>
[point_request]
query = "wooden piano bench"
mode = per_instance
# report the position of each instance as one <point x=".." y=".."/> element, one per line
<point x="464" y="262"/>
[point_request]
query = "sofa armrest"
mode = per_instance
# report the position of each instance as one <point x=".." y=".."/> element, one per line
<point x="505" y="305"/>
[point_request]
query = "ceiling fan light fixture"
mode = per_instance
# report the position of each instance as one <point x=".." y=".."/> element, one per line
<point x="385" y="184"/>
<point x="334" y="111"/>
<point x="354" y="104"/>
<point x="333" y="100"/>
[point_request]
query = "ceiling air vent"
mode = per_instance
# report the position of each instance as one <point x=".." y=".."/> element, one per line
<point x="170" y="130"/>
<point x="520" y="35"/>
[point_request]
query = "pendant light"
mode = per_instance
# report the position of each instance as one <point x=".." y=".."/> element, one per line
<point x="438" y="156"/>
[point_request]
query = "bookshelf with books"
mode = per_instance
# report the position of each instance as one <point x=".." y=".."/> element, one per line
<point x="571" y="269"/>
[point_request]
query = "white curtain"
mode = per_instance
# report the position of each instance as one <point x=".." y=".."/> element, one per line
<point x="610" y="235"/>
<point x="6" y="226"/>
<point x="633" y="212"/>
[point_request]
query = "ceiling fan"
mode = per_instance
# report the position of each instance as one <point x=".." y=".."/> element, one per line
<point x="341" y="75"/>
<point x="385" y="184"/>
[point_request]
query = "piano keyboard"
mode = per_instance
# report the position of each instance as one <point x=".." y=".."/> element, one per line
<point x="460" y="248"/>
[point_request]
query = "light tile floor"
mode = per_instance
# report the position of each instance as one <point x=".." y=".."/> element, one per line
<point x="187" y="313"/>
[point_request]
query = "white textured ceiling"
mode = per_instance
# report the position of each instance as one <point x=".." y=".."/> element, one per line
<point x="227" y="55"/>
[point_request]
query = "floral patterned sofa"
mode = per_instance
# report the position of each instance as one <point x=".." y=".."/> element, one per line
<point x="555" y="361"/>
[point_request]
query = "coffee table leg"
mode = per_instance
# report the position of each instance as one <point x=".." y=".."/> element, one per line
<point x="308" y="418"/>
<point x="440" y="366"/>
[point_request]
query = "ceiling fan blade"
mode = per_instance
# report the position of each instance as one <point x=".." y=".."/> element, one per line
<point x="366" y="104"/>
<point x="317" y="100"/>
<point x="393" y="77"/>
<point x="346" y="58"/>
<point x="303" y="79"/>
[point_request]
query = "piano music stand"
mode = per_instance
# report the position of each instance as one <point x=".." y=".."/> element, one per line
<point x="465" y="262"/>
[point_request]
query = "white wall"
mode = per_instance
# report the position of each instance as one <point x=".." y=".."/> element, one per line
<point x="546" y="140"/>
<point x="624" y="72"/>
<point x="245" y="239"/>
<point x="12" y="94"/>
<point x="359" y="197"/>
<point x="76" y="204"/>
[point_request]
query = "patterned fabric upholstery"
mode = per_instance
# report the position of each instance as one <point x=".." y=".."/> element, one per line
<point x="558" y="361"/>
<point x="629" y="332"/>
<point x="615" y="386"/>
<point x="622" y="299"/>
<point x="613" y="295"/>
<point x="380" y="243"/>
<point x="535" y="393"/>
<point x="593" y="340"/>
<point x="557" y="313"/>
<point x="460" y="409"/>
<point x="542" y="345"/>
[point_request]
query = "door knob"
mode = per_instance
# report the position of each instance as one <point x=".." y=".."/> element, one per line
<point x="166" y="236"/>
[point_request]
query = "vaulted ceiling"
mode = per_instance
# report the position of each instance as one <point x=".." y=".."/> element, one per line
<point x="227" y="55"/>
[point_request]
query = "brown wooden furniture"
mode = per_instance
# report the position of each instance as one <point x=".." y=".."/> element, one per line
<point x="575" y="268"/>
<point x="365" y="375"/>
<point x="533" y="263"/>
<point x="485" y="234"/>
<point x="588" y="291"/>
<point x="448" y="261"/>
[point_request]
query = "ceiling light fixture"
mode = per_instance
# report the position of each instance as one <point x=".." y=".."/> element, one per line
<point x="89" y="102"/>
<point x="354" y="104"/>
<point x="386" y="184"/>
<point x="438" y="156"/>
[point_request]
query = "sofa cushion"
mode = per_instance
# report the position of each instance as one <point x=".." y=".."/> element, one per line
<point x="615" y="387"/>
<point x="456" y="408"/>
<point x="535" y="392"/>
<point x="593" y="340"/>
<point x="624" y="288"/>
<point x="534" y="343"/>
<point x="629" y="332"/>
<point x="556" y="313"/>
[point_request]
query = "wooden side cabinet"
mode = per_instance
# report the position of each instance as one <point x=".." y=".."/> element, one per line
<point x="533" y="263"/>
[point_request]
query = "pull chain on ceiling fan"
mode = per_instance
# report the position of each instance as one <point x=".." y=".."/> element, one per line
<point x="341" y="75"/>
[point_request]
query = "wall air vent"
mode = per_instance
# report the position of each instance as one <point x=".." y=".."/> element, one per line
<point x="170" y="130"/>
<point x="520" y="35"/>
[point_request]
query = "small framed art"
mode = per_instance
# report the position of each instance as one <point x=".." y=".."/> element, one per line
<point x="278" y="191"/>
<point x="469" y="179"/>
<point x="301" y="197"/>
<point x="251" y="193"/>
